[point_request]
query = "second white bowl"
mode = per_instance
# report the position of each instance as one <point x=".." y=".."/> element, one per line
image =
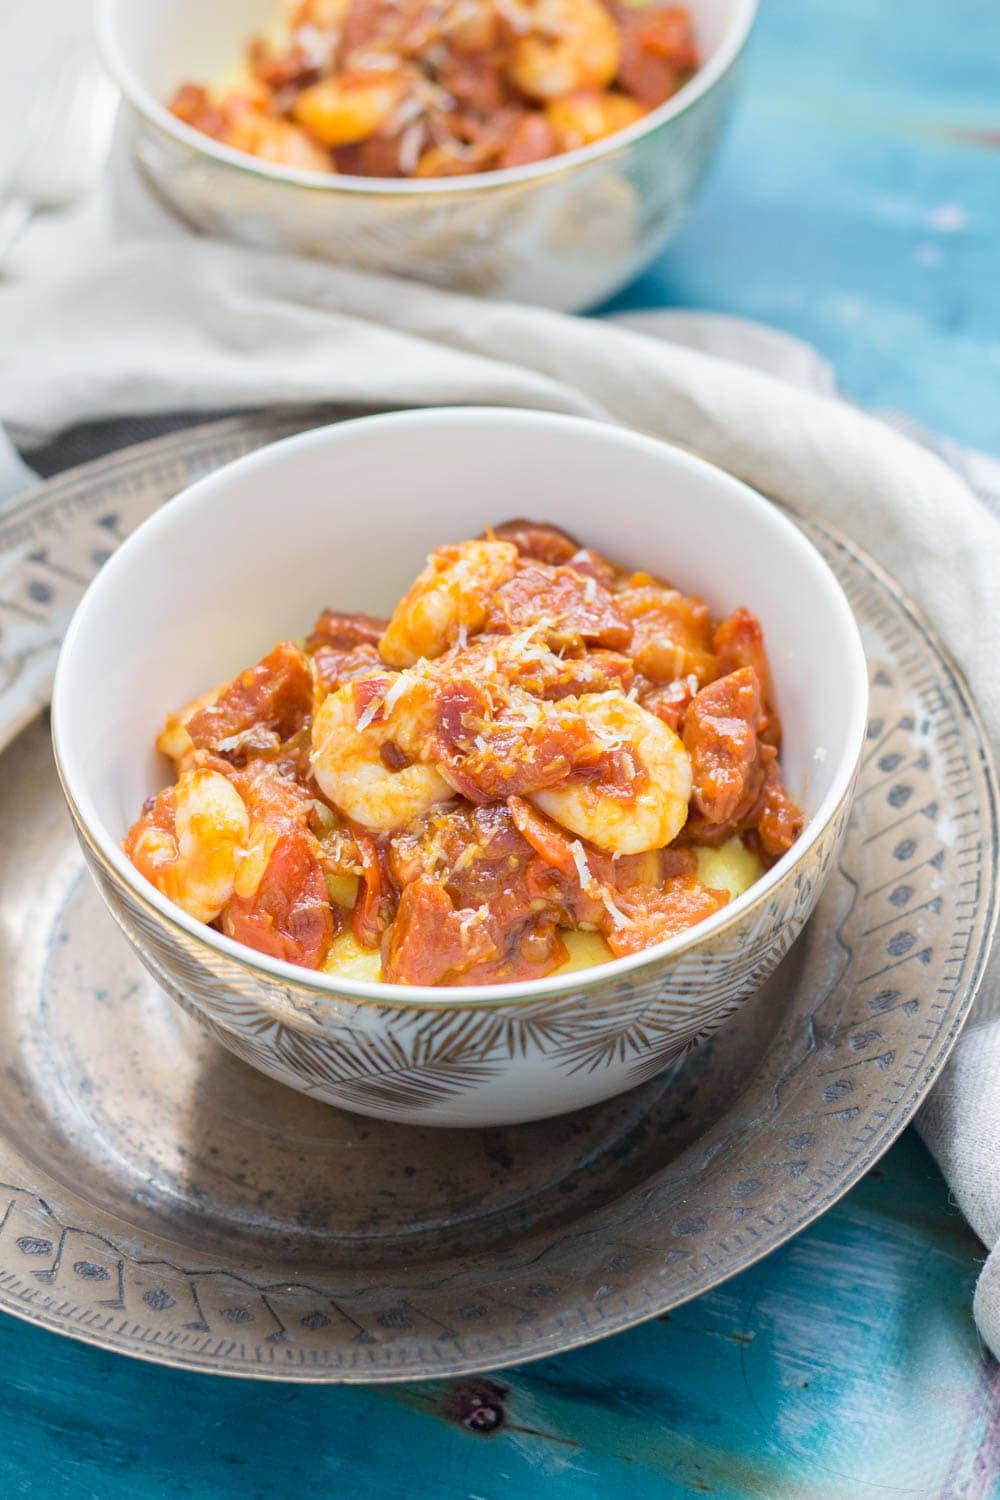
<point x="565" y="233"/>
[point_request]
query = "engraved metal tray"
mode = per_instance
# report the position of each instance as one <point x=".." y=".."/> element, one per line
<point x="160" y="1198"/>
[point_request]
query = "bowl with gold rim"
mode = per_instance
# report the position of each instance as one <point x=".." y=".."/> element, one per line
<point x="347" y="514"/>
<point x="563" y="232"/>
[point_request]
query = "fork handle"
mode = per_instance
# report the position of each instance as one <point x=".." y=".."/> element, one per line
<point x="15" y="214"/>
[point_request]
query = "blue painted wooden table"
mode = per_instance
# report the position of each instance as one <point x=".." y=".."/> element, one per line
<point x="857" y="203"/>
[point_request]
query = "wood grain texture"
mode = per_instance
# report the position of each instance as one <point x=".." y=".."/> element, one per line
<point x="844" y="1366"/>
<point x="856" y="204"/>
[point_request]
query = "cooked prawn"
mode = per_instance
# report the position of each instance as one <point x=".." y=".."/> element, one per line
<point x="174" y="739"/>
<point x="276" y="140"/>
<point x="241" y="120"/>
<point x="589" y="116"/>
<point x="190" y="841"/>
<point x="361" y="755"/>
<point x="646" y="815"/>
<point x="350" y="107"/>
<point x="571" y="45"/>
<point x="452" y="594"/>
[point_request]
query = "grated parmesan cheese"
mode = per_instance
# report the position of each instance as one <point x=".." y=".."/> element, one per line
<point x="369" y="714"/>
<point x="583" y="870"/>
<point x="317" y="45"/>
<point x="614" y="912"/>
<point x="410" y="146"/>
<point x="375" y="62"/>
<point x="594" y="887"/>
<point x="408" y="110"/>
<point x="394" y="694"/>
<point x="471" y="917"/>
<point x="231" y="742"/>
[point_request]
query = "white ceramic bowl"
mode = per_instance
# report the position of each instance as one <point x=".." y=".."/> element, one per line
<point x="344" y="516"/>
<point x="564" y="233"/>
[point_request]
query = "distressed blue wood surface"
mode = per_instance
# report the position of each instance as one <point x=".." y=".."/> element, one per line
<point x="857" y="204"/>
<point x="843" y="1366"/>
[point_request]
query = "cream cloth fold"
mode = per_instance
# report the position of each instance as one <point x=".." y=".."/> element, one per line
<point x="155" y="320"/>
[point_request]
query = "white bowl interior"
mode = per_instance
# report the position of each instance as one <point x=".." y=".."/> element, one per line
<point x="170" y="42"/>
<point x="164" y="43"/>
<point x="345" y="515"/>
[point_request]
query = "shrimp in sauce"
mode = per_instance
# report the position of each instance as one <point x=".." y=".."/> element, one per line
<point x="359" y="760"/>
<point x="402" y="88"/>
<point x="567" y="46"/>
<point x="450" y="598"/>
<point x="190" y="840"/>
<point x="635" y="796"/>
<point x="537" y="745"/>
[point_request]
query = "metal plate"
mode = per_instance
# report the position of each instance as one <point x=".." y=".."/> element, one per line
<point x="160" y="1198"/>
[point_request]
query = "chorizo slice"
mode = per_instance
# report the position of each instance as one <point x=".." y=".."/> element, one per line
<point x="259" y="708"/>
<point x="648" y="915"/>
<point x="720" y="736"/>
<point x="344" y="631"/>
<point x="430" y="942"/>
<point x="482" y="862"/>
<point x="338" y="664"/>
<point x="659" y="51"/>
<point x="538" y="541"/>
<point x="289" y="915"/>
<point x="778" y="821"/>
<point x="572" y="609"/>
<point x="545" y="543"/>
<point x="489" y="750"/>
<point x="671" y="631"/>
<point x="375" y="907"/>
<point x="738" y="641"/>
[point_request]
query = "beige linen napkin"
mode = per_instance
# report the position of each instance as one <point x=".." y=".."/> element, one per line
<point x="156" y="320"/>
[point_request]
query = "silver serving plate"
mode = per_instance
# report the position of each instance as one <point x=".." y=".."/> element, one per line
<point x="162" y="1199"/>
